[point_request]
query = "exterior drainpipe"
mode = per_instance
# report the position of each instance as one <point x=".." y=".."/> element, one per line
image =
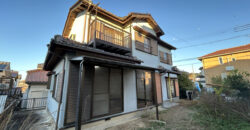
<point x="60" y="100"/>
<point x="170" y="90"/>
<point x="79" y="98"/>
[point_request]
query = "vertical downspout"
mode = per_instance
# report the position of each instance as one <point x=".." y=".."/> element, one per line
<point x="60" y="100"/>
<point x="170" y="90"/>
<point x="78" y="120"/>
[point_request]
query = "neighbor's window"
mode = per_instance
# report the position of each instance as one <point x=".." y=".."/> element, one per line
<point x="220" y="60"/>
<point x="233" y="59"/>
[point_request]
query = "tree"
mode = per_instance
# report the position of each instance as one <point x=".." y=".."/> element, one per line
<point x="237" y="84"/>
<point x="184" y="84"/>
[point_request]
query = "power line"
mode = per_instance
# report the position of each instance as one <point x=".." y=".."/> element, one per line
<point x="188" y="59"/>
<point x="233" y="29"/>
<point x="223" y="58"/>
<point x="212" y="42"/>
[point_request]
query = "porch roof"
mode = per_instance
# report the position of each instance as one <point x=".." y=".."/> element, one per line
<point x="59" y="46"/>
<point x="112" y="63"/>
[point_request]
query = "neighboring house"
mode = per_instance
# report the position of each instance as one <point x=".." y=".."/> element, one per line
<point x="106" y="66"/>
<point x="37" y="84"/>
<point x="8" y="77"/>
<point x="221" y="62"/>
<point x="5" y="75"/>
<point x="23" y="85"/>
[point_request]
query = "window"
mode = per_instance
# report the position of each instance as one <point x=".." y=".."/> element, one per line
<point x="57" y="87"/>
<point x="144" y="88"/>
<point x="165" y="56"/>
<point x="233" y="59"/>
<point x="54" y="86"/>
<point x="72" y="37"/>
<point x="220" y="60"/>
<point x="146" y="45"/>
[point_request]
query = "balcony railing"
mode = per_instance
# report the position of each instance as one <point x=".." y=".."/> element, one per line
<point x="109" y="33"/>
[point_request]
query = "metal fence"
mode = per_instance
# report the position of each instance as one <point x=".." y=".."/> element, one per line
<point x="11" y="92"/>
<point x="34" y="103"/>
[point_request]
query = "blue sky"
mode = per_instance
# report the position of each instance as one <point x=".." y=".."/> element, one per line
<point x="28" y="25"/>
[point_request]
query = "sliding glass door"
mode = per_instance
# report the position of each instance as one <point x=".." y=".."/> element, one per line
<point x="144" y="88"/>
<point x="107" y="91"/>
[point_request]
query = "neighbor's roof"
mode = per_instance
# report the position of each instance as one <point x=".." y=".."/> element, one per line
<point x="81" y="5"/>
<point x="227" y="51"/>
<point x="36" y="76"/>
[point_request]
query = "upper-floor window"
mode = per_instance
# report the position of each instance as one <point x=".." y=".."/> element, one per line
<point x="233" y="59"/>
<point x="220" y="60"/>
<point x="146" y="44"/>
<point x="165" y="57"/>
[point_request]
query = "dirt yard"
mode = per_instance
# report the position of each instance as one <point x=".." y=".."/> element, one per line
<point x="176" y="118"/>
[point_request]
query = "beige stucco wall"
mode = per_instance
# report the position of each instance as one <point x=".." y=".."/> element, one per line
<point x="214" y="61"/>
<point x="241" y="65"/>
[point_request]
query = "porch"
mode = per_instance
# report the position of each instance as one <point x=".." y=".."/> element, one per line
<point x="105" y="89"/>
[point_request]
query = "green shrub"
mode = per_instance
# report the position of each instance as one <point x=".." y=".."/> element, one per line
<point x="184" y="84"/>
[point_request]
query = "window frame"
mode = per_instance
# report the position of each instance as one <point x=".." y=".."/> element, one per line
<point x="109" y="93"/>
<point x="55" y="84"/>
<point x="144" y="87"/>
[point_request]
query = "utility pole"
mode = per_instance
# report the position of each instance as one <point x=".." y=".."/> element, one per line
<point x="193" y="73"/>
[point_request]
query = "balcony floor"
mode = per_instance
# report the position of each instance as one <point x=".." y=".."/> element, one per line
<point x="110" y="47"/>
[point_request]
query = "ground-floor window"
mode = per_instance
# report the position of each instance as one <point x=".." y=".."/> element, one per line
<point x="102" y="92"/>
<point x="107" y="91"/>
<point x="144" y="88"/>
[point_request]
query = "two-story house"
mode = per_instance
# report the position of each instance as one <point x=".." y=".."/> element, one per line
<point x="221" y="62"/>
<point x="104" y="66"/>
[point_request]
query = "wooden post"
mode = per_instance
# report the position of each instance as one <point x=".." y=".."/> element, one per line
<point x="78" y="121"/>
<point x="170" y="90"/>
<point x="155" y="94"/>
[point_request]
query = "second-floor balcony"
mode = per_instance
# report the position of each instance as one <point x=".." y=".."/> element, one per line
<point x="109" y="38"/>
